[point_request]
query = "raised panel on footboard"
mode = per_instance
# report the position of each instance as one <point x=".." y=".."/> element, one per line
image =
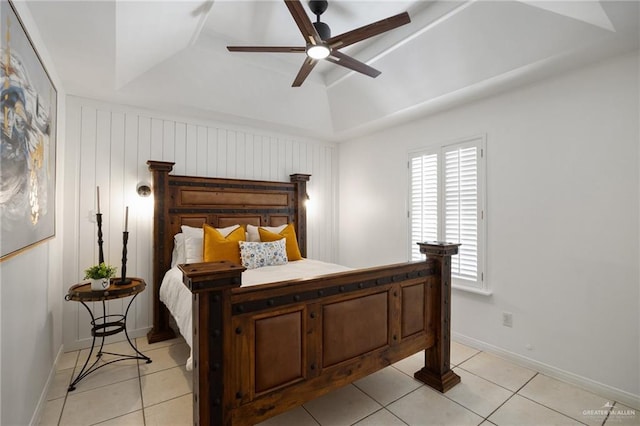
<point x="412" y="309"/>
<point x="278" y="351"/>
<point x="269" y="352"/>
<point x="354" y="327"/>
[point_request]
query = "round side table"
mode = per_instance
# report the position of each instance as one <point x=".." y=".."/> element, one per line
<point x="106" y="325"/>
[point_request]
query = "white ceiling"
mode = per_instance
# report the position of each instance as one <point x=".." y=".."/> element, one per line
<point x="171" y="56"/>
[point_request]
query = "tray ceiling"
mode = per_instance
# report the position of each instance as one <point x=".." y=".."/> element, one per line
<point x="171" y="56"/>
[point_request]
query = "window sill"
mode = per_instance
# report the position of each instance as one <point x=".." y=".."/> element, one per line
<point x="480" y="291"/>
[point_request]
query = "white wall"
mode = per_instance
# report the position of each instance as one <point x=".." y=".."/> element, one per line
<point x="109" y="145"/>
<point x="31" y="293"/>
<point x="563" y="197"/>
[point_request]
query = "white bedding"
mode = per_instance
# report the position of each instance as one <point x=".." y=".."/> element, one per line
<point x="177" y="297"/>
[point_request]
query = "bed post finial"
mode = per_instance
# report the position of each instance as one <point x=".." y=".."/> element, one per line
<point x="161" y="257"/>
<point x="300" y="180"/>
<point x="437" y="371"/>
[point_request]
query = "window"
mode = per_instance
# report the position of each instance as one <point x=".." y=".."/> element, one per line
<point x="446" y="201"/>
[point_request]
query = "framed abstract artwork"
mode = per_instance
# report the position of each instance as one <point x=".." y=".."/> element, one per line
<point x="27" y="140"/>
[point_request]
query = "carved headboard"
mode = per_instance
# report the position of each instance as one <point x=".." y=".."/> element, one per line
<point x="193" y="201"/>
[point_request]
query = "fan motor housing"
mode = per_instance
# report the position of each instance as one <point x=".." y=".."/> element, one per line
<point x="323" y="30"/>
<point x="318" y="7"/>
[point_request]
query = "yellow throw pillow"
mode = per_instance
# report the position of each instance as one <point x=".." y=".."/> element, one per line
<point x="216" y="247"/>
<point x="293" y="251"/>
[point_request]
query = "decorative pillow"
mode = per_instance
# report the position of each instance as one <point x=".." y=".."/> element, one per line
<point x="218" y="247"/>
<point x="289" y="233"/>
<point x="256" y="255"/>
<point x="193" y="242"/>
<point x="254" y="236"/>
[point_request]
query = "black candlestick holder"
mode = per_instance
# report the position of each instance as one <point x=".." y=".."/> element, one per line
<point x="124" y="280"/>
<point x="100" y="251"/>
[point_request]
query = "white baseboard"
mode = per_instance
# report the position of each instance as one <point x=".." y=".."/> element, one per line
<point x="614" y="394"/>
<point x="42" y="401"/>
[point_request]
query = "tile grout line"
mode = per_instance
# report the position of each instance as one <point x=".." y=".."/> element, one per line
<point x="609" y="413"/>
<point x="466" y="359"/>
<point x="489" y="381"/>
<point x="494" y="383"/>
<point x="144" y="417"/>
<point x="552" y="409"/>
<point x="400" y="397"/>
<point x="541" y="404"/>
<point x="66" y="393"/>
<point x="311" y="415"/>
<point x="467" y="408"/>
<point x="508" y="399"/>
<point x="382" y="407"/>
<point x="377" y="411"/>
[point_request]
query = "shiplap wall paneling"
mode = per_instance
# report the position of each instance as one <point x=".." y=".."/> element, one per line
<point x="138" y="247"/>
<point x="111" y="128"/>
<point x="87" y="254"/>
<point x="110" y="145"/>
<point x="140" y="137"/>
<point x="71" y="220"/>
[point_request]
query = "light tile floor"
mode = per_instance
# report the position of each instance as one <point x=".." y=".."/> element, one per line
<point x="493" y="392"/>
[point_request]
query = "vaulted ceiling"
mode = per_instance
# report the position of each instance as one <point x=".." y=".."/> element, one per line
<point x="171" y="56"/>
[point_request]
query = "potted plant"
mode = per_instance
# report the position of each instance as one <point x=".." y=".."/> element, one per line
<point x="100" y="275"/>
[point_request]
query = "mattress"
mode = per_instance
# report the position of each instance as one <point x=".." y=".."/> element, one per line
<point x="177" y="297"/>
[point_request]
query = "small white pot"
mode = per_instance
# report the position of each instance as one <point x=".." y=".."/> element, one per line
<point x="100" y="284"/>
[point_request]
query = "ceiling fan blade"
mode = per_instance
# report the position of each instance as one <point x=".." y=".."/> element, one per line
<point x="340" y="58"/>
<point x="276" y="49"/>
<point x="306" y="68"/>
<point x="368" y="31"/>
<point x="304" y="23"/>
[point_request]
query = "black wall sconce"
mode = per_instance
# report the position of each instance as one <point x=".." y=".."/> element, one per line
<point x="143" y="189"/>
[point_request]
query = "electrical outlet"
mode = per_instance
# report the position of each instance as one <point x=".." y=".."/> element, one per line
<point x="507" y="319"/>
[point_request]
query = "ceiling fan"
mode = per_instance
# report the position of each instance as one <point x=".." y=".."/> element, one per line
<point x="319" y="43"/>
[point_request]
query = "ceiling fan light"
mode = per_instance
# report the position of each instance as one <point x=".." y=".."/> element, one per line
<point x="318" y="51"/>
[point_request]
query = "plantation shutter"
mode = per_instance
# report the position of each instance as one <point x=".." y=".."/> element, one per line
<point x="423" y="200"/>
<point x="461" y="208"/>
<point x="446" y="203"/>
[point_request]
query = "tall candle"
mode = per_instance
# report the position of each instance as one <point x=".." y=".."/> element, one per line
<point x="98" y="190"/>
<point x="126" y="219"/>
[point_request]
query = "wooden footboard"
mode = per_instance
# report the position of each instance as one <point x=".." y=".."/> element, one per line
<point x="259" y="351"/>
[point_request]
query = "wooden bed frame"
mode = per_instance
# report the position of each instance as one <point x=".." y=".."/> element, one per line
<point x="261" y="350"/>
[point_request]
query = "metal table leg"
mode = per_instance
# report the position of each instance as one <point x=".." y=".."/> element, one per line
<point x="110" y="325"/>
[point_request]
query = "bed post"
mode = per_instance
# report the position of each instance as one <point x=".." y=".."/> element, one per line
<point x="161" y="255"/>
<point x="300" y="181"/>
<point x="436" y="371"/>
<point x="211" y="285"/>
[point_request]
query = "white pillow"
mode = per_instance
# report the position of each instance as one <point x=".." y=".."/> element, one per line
<point x="190" y="231"/>
<point x="254" y="236"/>
<point x="178" y="255"/>
<point x="194" y="239"/>
<point x="256" y="255"/>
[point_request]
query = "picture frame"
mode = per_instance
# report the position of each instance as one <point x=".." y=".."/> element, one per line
<point x="28" y="115"/>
